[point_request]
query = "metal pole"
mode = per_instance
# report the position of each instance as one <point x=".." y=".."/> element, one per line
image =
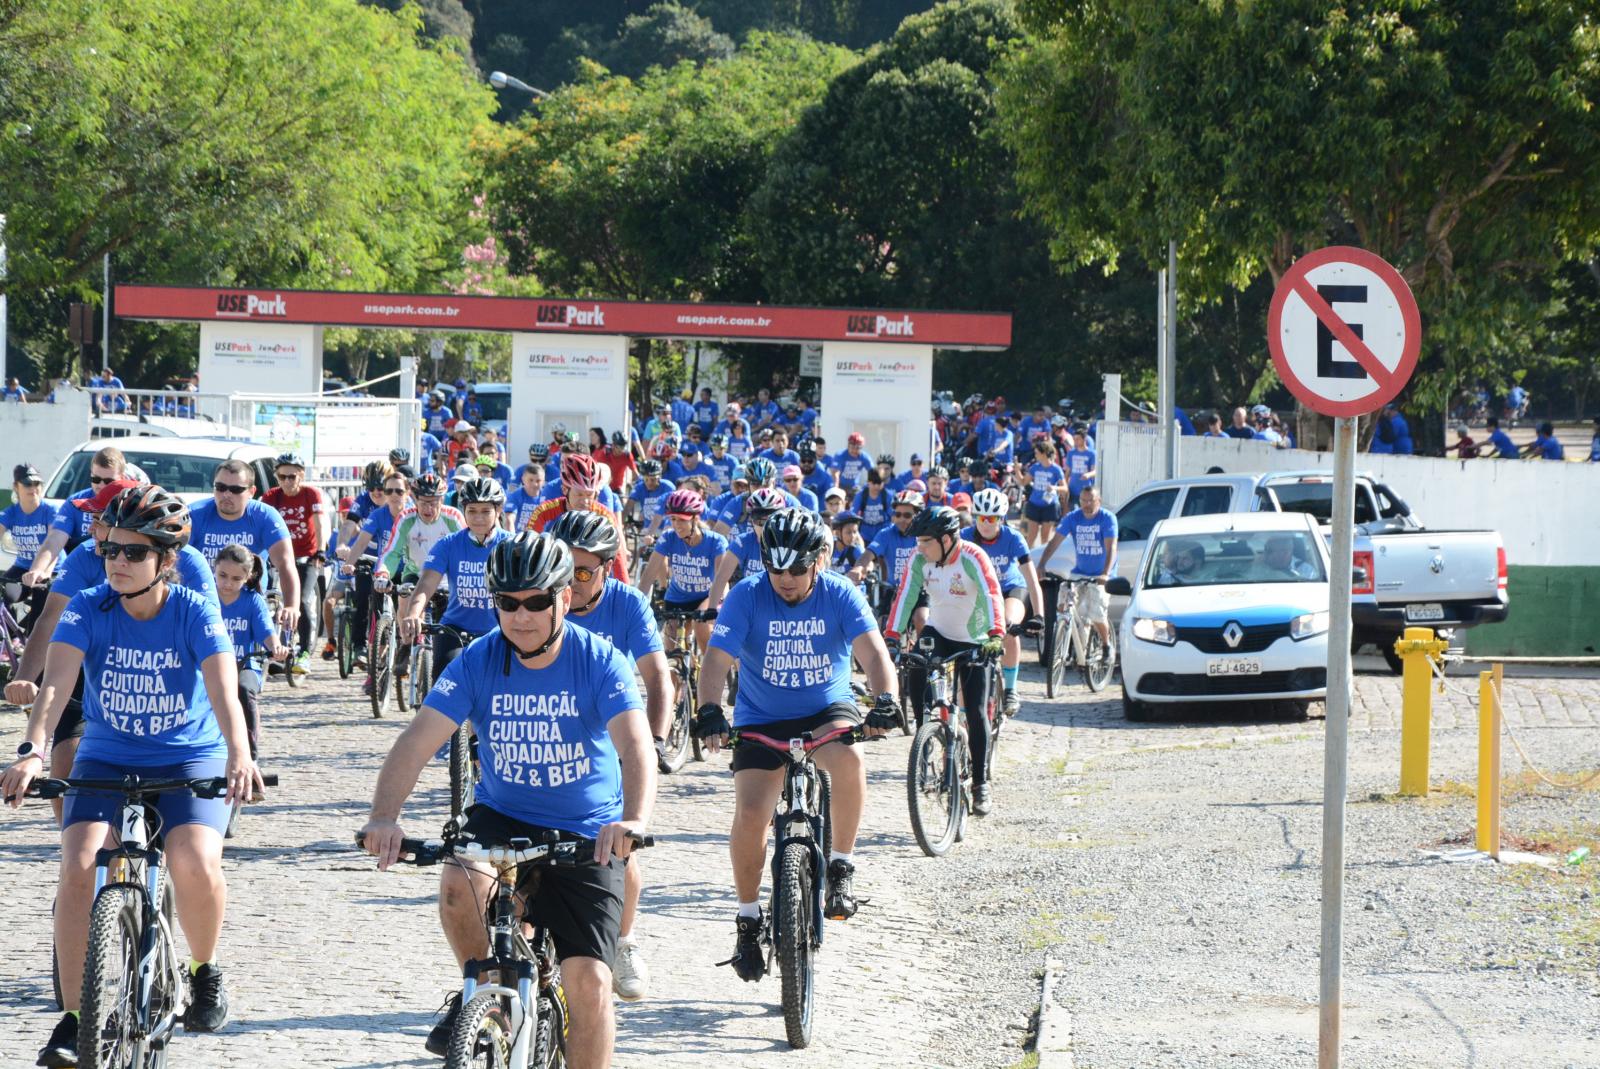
<point x="1162" y="384"/>
<point x="1335" y="762"/>
<point x="105" y="316"/>
<point x="1106" y="461"/>
<point x="1169" y="414"/>
<point x="3" y="377"/>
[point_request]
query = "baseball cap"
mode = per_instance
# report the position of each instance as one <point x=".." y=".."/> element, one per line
<point x="836" y="492"/>
<point x="792" y="471"/>
<point x="346" y="504"/>
<point x="961" y="501"/>
<point x="462" y="425"/>
<point x="916" y="458"/>
<point x="690" y="449"/>
<point x="26" y="474"/>
<point x="99" y="501"/>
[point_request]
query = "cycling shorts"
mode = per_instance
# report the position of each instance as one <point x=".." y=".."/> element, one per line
<point x="755" y="755"/>
<point x="1049" y="512"/>
<point x="70" y="726"/>
<point x="176" y="807"/>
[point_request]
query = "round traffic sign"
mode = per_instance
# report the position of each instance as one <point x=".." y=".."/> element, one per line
<point x="1344" y="331"/>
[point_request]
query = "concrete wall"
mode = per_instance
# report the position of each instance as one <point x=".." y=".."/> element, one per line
<point x="42" y="434"/>
<point x="579" y="381"/>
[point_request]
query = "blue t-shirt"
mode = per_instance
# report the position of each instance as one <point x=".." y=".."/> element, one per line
<point x="28" y="529"/>
<point x="433" y="419"/>
<point x="739" y="446"/>
<point x="1045" y="478"/>
<point x="249" y="622"/>
<point x="722" y="469"/>
<point x="1079" y="463"/>
<point x="520" y="505"/>
<point x="258" y="530"/>
<point x="746" y="548"/>
<point x="852" y="469"/>
<point x="464" y="564"/>
<point x="819" y="482"/>
<point x="794" y="660"/>
<point x="1505" y="448"/>
<point x="705" y="414"/>
<point x="874" y="513"/>
<point x="895" y="550"/>
<point x="652" y="503"/>
<point x="781" y="460"/>
<point x="1004" y="552"/>
<point x="623" y="618"/>
<point x="379" y="525"/>
<point x="543" y="740"/>
<point x="758" y="412"/>
<point x="1005" y="447"/>
<point x="690" y="568"/>
<point x="1594" y="449"/>
<point x="144" y="697"/>
<point x="83" y="568"/>
<point x="808" y="500"/>
<point x="72" y="521"/>
<point x="1089" y="539"/>
<point x="1550" y="448"/>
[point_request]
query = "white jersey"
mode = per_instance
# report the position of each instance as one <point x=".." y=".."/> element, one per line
<point x="411" y="539"/>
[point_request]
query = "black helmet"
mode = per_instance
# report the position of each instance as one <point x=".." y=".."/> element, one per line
<point x="151" y="511"/>
<point x="937" y="522"/>
<point x="529" y="560"/>
<point x="480" y="491"/>
<point x="807" y="451"/>
<point x="397" y="456"/>
<point x="588" y="531"/>
<point x="650" y="467"/>
<point x="886" y="458"/>
<point x="373" y="474"/>
<point x="619" y="440"/>
<point x="427" y="485"/>
<point x="793" y="537"/>
<point x="290" y="460"/>
<point x="539" y="451"/>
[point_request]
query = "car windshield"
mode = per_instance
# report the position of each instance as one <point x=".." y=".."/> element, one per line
<point x="1229" y="558"/>
<point x="495" y="405"/>
<point x="174" y="471"/>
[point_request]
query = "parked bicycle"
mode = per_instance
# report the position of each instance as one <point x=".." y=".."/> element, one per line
<point x="1072" y="642"/>
<point x="939" y="768"/>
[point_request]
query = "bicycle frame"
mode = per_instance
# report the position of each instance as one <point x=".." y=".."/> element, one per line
<point x="143" y="873"/>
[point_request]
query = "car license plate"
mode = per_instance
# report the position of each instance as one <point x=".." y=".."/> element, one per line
<point x="1428" y="610"/>
<point x="1233" y="666"/>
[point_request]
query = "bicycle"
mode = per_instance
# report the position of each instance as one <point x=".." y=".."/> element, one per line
<point x="463" y="744"/>
<point x="12" y="639"/>
<point x="683" y="660"/>
<point x="519" y="1019"/>
<point x="939" y="768"/>
<point x="133" y="978"/>
<point x="287" y="636"/>
<point x="1073" y="640"/>
<point x="380" y="651"/>
<point x="802" y="826"/>
<point x="344" y="621"/>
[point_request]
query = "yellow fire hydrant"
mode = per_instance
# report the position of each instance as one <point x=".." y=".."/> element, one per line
<point x="1416" y="649"/>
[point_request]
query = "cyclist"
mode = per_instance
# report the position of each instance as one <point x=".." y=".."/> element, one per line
<point x="27" y="519"/>
<point x="1019" y="582"/>
<point x="847" y="544"/>
<point x="568" y="745"/>
<point x="649" y="497"/>
<point x="304" y="509"/>
<point x="793" y="484"/>
<point x="721" y="462"/>
<point x="743" y="556"/>
<point x="964" y="612"/>
<point x="734" y="518"/>
<point x="418" y="529"/>
<point x="521" y="502"/>
<point x="874" y="504"/>
<point x="582" y="483"/>
<point x="892" y="549"/>
<point x="371" y="540"/>
<point x="813" y="475"/>
<point x="248" y="619"/>
<point x="232" y="515"/>
<point x="461" y="559"/>
<point x="852" y="464"/>
<point x="72" y="527"/>
<point x="373" y="478"/>
<point x="621" y="615"/>
<point x="161" y="702"/>
<point x="793" y="632"/>
<point x="1093" y="531"/>
<point x="685" y="560"/>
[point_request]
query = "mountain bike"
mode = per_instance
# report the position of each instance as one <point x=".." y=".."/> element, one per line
<point x="288" y="637"/>
<point x="463" y="744"/>
<point x="683" y="660"/>
<point x="345" y="621"/>
<point x="381" y="640"/>
<point x="1074" y="642"/>
<point x="939" y="768"/>
<point x="518" y="1019"/>
<point x="134" y="988"/>
<point x="802" y="826"/>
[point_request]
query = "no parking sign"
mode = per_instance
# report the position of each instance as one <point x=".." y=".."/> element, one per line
<point x="1344" y="331"/>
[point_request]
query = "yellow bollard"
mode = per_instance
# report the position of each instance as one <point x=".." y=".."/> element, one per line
<point x="1416" y="706"/>
<point x="1488" y="837"/>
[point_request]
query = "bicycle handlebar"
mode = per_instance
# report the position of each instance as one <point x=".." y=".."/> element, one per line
<point x="808" y="741"/>
<point x="135" y="787"/>
<point x="923" y="660"/>
<point x="466" y="637"/>
<point x="552" y="848"/>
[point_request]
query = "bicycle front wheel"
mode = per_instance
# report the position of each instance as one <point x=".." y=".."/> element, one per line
<point x="344" y="642"/>
<point x="796" y="963"/>
<point x="680" y="733"/>
<point x="382" y="661"/>
<point x="1098" y="665"/>
<point x="550" y="1032"/>
<point x="460" y="770"/>
<point x="108" y="1018"/>
<point x="421" y="674"/>
<point x="482" y="1036"/>
<point x="1055" y="673"/>
<point x="932" y="787"/>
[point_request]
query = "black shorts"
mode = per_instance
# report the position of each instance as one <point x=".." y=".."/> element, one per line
<point x="581" y="905"/>
<point x="682" y="606"/>
<point x="1049" y="512"/>
<point x="70" y="726"/>
<point x="755" y="755"/>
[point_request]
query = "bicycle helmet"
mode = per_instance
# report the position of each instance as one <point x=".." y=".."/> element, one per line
<point x="374" y="473"/>
<point x="397" y="456"/>
<point x="940" y="470"/>
<point x="529" y="560"/>
<point x="588" y="531"/>
<point x="649" y="467"/>
<point x="578" y="472"/>
<point x="619" y="440"/>
<point x="290" y="460"/>
<point x="761" y="471"/>
<point x="941" y="521"/>
<point x="806" y="452"/>
<point x="539" y="452"/>
<point x="480" y="491"/>
<point x="685" y="503"/>
<point x="427" y="485"/>
<point x="151" y="511"/>
<point x="886" y="458"/>
<point x="718" y="441"/>
<point x="990" y="502"/>
<point x="909" y="497"/>
<point x="665" y="446"/>
<point x="793" y="537"/>
<point x="761" y="503"/>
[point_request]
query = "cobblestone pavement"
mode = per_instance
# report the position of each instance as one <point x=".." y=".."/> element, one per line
<point x="331" y="963"/>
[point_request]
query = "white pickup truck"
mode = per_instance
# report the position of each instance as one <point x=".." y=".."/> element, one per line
<point x="1406" y="574"/>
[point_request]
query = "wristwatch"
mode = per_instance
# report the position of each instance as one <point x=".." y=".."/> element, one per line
<point x="28" y="749"/>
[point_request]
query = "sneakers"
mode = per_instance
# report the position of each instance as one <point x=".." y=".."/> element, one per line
<point x="630" y="978"/>
<point x="841" y="904"/>
<point x="661" y="757"/>
<point x="439" y="1035"/>
<point x="748" y="962"/>
<point x="328" y="651"/>
<point x="302" y="663"/>
<point x="208" y="1000"/>
<point x="981" y="802"/>
<point x="61" y="1051"/>
<point x="1010" y="704"/>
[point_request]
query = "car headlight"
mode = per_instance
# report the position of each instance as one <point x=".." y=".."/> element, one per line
<point x="1312" y="623"/>
<point x="1150" y="630"/>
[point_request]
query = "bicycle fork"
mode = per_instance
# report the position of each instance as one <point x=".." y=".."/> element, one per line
<point x="504" y="959"/>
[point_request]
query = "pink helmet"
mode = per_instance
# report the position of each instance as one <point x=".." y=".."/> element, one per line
<point x="579" y="471"/>
<point x="685" y="503"/>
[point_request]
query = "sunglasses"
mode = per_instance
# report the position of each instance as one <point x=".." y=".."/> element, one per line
<point x="905" y="515"/>
<point x="287" y="476"/>
<point x="795" y="570"/>
<point x="229" y="488"/>
<point x="989" y="519"/>
<point x="98" y="480"/>
<point x="531" y="603"/>
<point x="113" y="550"/>
<point x="584" y="575"/>
<point x="391" y="491"/>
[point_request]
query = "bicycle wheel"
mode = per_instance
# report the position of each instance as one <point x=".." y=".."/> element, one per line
<point x="796" y="885"/>
<point x="550" y="1033"/>
<point x="680" y="734"/>
<point x="107" y="1020"/>
<point x="460" y="770"/>
<point x="382" y="661"/>
<point x="1055" y="675"/>
<point x="482" y="1036"/>
<point x="166" y="984"/>
<point x="421" y="673"/>
<point x="691" y="688"/>
<point x="932" y="789"/>
<point x="288" y="639"/>
<point x="1097" y="669"/>
<point x="344" y="641"/>
<point x="824" y="804"/>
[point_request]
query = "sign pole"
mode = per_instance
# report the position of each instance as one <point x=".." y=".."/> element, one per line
<point x="1169" y="415"/>
<point x="1335" y="759"/>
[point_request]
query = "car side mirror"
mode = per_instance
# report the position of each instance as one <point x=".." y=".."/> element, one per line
<point x="1119" y="586"/>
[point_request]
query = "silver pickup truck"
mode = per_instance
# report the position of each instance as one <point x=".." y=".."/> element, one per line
<point x="1406" y="574"/>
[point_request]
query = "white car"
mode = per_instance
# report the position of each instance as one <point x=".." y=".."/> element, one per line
<point x="1226" y="608"/>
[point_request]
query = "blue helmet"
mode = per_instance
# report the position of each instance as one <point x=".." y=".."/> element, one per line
<point x="761" y="471"/>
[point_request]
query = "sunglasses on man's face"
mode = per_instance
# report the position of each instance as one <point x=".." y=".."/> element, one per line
<point x="229" y="488"/>
<point x="287" y="476"/>
<point x="585" y="575"/>
<point x="393" y="491"/>
<point x="531" y="603"/>
<point x="794" y="570"/>
<point x="134" y="553"/>
<point x="905" y="515"/>
<point x="101" y="480"/>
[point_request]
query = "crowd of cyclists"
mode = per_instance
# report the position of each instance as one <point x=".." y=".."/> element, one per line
<point x="153" y="622"/>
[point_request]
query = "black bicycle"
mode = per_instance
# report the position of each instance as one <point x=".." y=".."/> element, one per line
<point x="939" y="768"/>
<point x="677" y="626"/>
<point x="346" y="622"/>
<point x="463" y="744"/>
<point x="382" y="642"/>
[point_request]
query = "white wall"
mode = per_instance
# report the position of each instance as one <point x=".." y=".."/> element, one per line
<point x="257" y="358"/>
<point x="1546" y="512"/>
<point x="42" y="434"/>
<point x="880" y="390"/>
<point x="579" y="381"/>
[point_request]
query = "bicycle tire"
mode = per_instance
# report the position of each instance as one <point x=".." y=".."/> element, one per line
<point x="549" y="1033"/>
<point x="381" y="656"/>
<point x="482" y="1035"/>
<point x="825" y="810"/>
<point x="691" y="689"/>
<point x="460" y="771"/>
<point x="162" y="1000"/>
<point x="933" y="793"/>
<point x="1060" y="643"/>
<point x="421" y="670"/>
<point x="111" y="968"/>
<point x="344" y="642"/>
<point x="289" y="674"/>
<point x="1097" y="671"/>
<point x="796" y="963"/>
<point x="680" y="733"/>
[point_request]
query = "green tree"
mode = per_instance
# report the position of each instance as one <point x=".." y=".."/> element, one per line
<point x="1457" y="140"/>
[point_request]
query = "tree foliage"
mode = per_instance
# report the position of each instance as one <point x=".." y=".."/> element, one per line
<point x="665" y="35"/>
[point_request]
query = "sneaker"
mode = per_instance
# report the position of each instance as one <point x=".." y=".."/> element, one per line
<point x="748" y="962"/>
<point x="439" y="1035"/>
<point x="631" y="978"/>
<point x="661" y="757"/>
<point x="328" y="651"/>
<point x="981" y="802"/>
<point x="208" y="1000"/>
<point x="366" y="686"/>
<point x="1010" y="703"/>
<point x="360" y="658"/>
<point x="61" y="1050"/>
<point x="841" y="905"/>
<point x="302" y="663"/>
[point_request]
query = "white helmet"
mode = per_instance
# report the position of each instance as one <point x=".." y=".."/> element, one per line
<point x="990" y="502"/>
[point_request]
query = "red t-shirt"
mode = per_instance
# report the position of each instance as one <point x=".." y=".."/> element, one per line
<point x="621" y="463"/>
<point x="298" y="514"/>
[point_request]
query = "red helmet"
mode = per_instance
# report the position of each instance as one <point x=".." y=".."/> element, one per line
<point x="685" y="503"/>
<point x="579" y="471"/>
